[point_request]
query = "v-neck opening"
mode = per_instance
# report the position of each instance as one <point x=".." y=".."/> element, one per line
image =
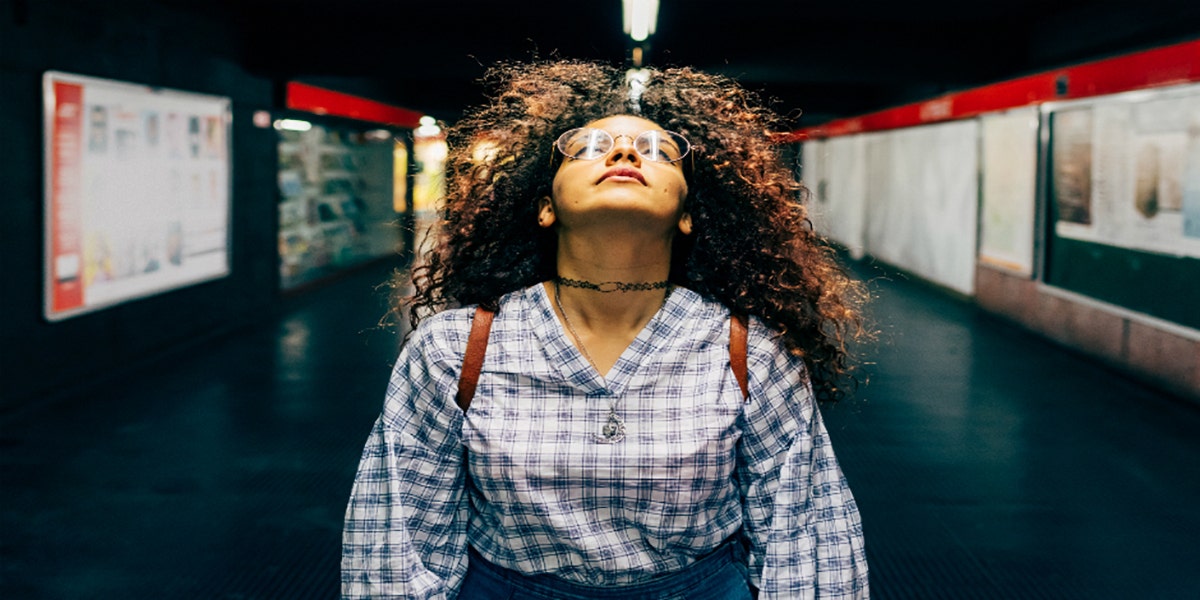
<point x="645" y="344"/>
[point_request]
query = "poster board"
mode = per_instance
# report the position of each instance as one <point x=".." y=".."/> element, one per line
<point x="137" y="192"/>
<point x="922" y="190"/>
<point x="812" y="175"/>
<point x="1125" y="170"/>
<point x="1123" y="185"/>
<point x="846" y="183"/>
<point x="1009" y="189"/>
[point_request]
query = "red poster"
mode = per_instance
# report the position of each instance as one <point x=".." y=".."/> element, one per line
<point x="66" y="227"/>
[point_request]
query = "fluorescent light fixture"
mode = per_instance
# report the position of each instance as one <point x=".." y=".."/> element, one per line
<point x="293" y="124"/>
<point x="636" y="79"/>
<point x="428" y="128"/>
<point x="428" y="131"/>
<point x="378" y="135"/>
<point x="641" y="17"/>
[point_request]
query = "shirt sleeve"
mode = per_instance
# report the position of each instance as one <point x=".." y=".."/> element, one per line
<point x="800" y="519"/>
<point x="405" y="529"/>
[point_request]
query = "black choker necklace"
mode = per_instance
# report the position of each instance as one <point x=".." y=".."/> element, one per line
<point x="613" y="286"/>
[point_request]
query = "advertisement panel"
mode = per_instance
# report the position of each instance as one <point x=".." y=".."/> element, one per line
<point x="1123" y="191"/>
<point x="1125" y="168"/>
<point x="137" y="191"/>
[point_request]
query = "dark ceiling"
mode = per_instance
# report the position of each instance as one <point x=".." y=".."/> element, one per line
<point x="822" y="59"/>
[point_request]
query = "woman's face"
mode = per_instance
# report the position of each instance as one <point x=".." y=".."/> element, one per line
<point x="620" y="186"/>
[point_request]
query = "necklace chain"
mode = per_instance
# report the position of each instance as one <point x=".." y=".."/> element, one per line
<point x="614" y="429"/>
<point x="613" y="286"/>
<point x="571" y="328"/>
<point x="567" y="320"/>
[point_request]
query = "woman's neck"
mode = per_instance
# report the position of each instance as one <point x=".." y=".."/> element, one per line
<point x="604" y="323"/>
<point x="612" y="256"/>
<point x="597" y="259"/>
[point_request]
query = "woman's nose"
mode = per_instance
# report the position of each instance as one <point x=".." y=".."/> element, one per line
<point x="623" y="148"/>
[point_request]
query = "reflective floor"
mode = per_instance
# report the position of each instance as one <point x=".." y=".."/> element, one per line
<point x="987" y="463"/>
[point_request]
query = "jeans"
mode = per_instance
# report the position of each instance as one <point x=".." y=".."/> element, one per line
<point x="717" y="576"/>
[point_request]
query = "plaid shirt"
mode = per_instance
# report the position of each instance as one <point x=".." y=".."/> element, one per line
<point x="697" y="465"/>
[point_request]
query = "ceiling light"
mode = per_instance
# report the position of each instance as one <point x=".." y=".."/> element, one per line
<point x="640" y="18"/>
<point x="293" y="125"/>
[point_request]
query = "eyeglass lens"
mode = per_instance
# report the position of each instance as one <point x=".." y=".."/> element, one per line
<point x="587" y="144"/>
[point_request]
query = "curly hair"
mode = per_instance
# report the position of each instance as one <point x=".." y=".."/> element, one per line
<point x="753" y="247"/>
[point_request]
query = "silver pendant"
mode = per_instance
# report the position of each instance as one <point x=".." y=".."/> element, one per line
<point x="613" y="431"/>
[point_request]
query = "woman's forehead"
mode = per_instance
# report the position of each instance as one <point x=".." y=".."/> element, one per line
<point x="624" y="124"/>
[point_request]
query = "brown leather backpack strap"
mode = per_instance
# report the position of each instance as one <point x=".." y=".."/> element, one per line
<point x="477" y="341"/>
<point x="738" y="335"/>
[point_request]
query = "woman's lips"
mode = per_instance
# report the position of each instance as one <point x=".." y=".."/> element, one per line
<point x="626" y="172"/>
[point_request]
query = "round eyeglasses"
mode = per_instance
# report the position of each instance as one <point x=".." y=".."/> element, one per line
<point x="589" y="143"/>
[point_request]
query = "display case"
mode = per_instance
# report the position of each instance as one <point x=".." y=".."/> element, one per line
<point x="337" y="187"/>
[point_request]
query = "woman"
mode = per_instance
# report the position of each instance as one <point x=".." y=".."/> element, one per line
<point x="608" y="451"/>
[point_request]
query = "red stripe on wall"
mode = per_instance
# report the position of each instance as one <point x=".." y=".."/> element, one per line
<point x="1169" y="65"/>
<point x="310" y="98"/>
<point x="66" y="204"/>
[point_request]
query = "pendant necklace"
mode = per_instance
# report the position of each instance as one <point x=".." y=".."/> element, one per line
<point x="614" y="429"/>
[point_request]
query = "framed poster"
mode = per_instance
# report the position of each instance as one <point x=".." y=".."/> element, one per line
<point x="1124" y="168"/>
<point x="137" y="192"/>
<point x="1123" y="190"/>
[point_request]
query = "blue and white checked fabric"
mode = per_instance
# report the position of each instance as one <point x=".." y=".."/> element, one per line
<point x="544" y="496"/>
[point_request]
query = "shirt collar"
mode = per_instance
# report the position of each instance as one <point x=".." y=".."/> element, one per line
<point x="666" y="324"/>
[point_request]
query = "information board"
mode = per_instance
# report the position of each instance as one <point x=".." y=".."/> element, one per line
<point x="1125" y="168"/>
<point x="137" y="191"/>
<point x="1123" y="183"/>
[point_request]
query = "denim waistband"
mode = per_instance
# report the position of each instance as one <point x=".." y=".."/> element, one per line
<point x="550" y="586"/>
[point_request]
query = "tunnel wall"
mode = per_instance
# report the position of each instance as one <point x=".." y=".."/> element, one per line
<point x="1127" y="307"/>
<point x="1160" y="352"/>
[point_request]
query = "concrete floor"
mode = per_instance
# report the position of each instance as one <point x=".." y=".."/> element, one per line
<point x="987" y="463"/>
